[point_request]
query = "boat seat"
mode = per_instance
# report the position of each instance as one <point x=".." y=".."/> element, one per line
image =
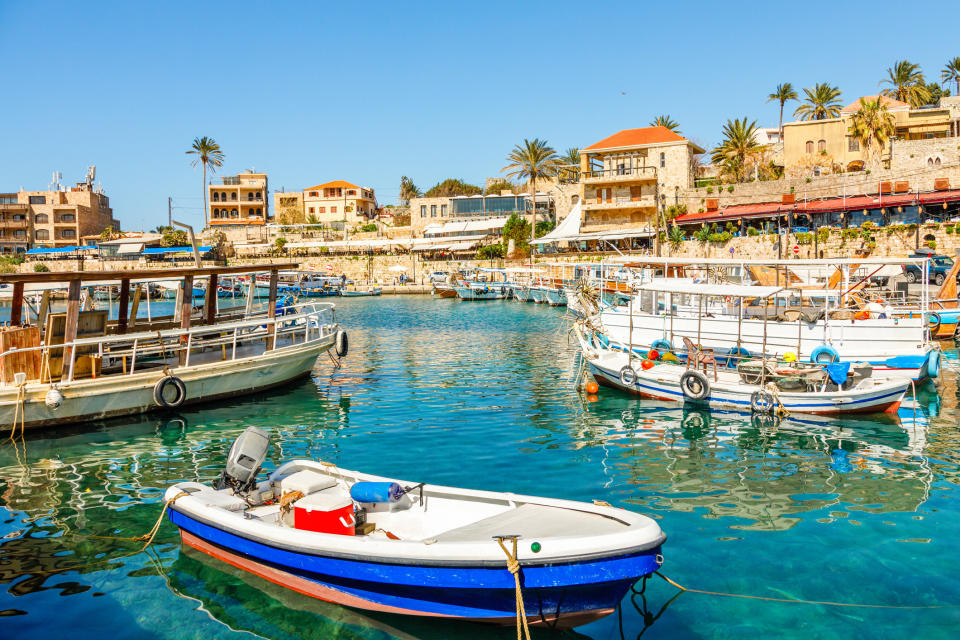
<point x="534" y="521"/>
<point x="306" y="482"/>
<point x="222" y="499"/>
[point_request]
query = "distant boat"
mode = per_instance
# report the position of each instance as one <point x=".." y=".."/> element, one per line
<point x="370" y="291"/>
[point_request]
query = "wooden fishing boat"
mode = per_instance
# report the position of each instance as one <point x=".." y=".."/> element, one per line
<point x="355" y="293"/>
<point x="389" y="545"/>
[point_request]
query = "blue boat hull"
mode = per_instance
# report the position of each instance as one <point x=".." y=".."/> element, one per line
<point x="564" y="594"/>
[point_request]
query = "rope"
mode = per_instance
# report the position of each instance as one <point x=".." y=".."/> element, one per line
<point x="775" y="394"/>
<point x="513" y="566"/>
<point x="20" y="410"/>
<point x="822" y="602"/>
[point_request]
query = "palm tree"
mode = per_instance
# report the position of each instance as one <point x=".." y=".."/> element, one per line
<point x="906" y="83"/>
<point x="533" y="160"/>
<point x="951" y="72"/>
<point x="783" y="93"/>
<point x="873" y="126"/>
<point x="571" y="156"/>
<point x="822" y="102"/>
<point x="208" y="154"/>
<point x="666" y="121"/>
<point x="408" y="190"/>
<point x="738" y="143"/>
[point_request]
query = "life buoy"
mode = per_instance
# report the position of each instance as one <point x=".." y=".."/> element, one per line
<point x="161" y="386"/>
<point x="694" y="385"/>
<point x="340" y="343"/>
<point x="662" y="345"/>
<point x="933" y="364"/>
<point x="736" y="355"/>
<point x="628" y="376"/>
<point x="761" y="401"/>
<point x="824" y="354"/>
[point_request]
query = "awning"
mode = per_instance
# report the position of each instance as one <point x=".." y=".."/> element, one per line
<point x="566" y="229"/>
<point x="130" y="247"/>
<point x="682" y="285"/>
<point x="489" y="224"/>
<point x="53" y="250"/>
<point x="152" y="251"/>
<point x="462" y="246"/>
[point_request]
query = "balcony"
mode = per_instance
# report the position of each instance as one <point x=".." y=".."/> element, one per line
<point x="13" y="224"/>
<point x="643" y="202"/>
<point x="13" y="206"/>
<point x="623" y="174"/>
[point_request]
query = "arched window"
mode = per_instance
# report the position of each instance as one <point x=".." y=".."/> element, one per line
<point x="821" y="145"/>
<point x="259" y="211"/>
<point x="234" y="214"/>
<point x="809" y="146"/>
<point x="216" y="197"/>
<point x="223" y="196"/>
<point x="250" y="197"/>
<point x="574" y="199"/>
<point x="68" y="233"/>
<point x="68" y="217"/>
<point x="936" y="162"/>
<point x="42" y="234"/>
<point x="929" y="162"/>
<point x="663" y="159"/>
<point x="41" y="218"/>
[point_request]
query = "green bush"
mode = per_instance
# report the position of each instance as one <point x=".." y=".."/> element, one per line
<point x="491" y="251"/>
<point x="932" y="244"/>
<point x="730" y="189"/>
<point x="804" y="238"/>
<point x="949" y="229"/>
<point x="367" y="228"/>
<point x="709" y="189"/>
<point x="41" y="268"/>
<point x="752" y="232"/>
<point x="719" y="237"/>
<point x="823" y="234"/>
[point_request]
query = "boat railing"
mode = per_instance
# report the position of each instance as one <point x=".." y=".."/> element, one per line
<point x="293" y="324"/>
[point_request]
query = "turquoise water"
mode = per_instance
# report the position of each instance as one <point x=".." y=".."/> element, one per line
<point x="480" y="395"/>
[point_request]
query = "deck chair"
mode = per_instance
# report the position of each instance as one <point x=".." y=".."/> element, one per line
<point x="699" y="358"/>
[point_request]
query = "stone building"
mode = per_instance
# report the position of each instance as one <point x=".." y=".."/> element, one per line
<point x="239" y="201"/>
<point x="53" y="218"/>
<point x="332" y="203"/>
<point x="494" y="208"/>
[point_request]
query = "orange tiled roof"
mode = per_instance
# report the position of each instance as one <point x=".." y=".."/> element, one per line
<point x="853" y="107"/>
<point x="636" y="137"/>
<point x="336" y="184"/>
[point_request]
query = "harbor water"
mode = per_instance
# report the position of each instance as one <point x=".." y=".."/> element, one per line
<point x="481" y="395"/>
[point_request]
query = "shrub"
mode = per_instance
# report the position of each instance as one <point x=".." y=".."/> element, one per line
<point x="730" y="189"/>
<point x="719" y="237"/>
<point x="868" y="225"/>
<point x="41" y="268"/>
<point x="490" y="251"/>
<point x="949" y="229"/>
<point x="809" y="179"/>
<point x="709" y="189"/>
<point x="932" y="244"/>
<point x="847" y="234"/>
<point x="367" y="228"/>
<point x="752" y="232"/>
<point x="823" y="234"/>
<point x="804" y="238"/>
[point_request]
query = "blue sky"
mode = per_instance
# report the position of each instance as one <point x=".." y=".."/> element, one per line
<point x="370" y="91"/>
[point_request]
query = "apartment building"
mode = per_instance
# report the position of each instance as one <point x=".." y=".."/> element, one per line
<point x="427" y="212"/>
<point x="239" y="201"/>
<point x="331" y="203"/>
<point x="55" y="218"/>
<point x="627" y="176"/>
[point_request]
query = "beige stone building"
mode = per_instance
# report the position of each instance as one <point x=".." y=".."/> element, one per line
<point x="55" y="218"/>
<point x="812" y="147"/>
<point x="331" y="203"/>
<point x="627" y="176"/>
<point x="239" y="201"/>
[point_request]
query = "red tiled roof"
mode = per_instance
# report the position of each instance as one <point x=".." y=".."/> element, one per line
<point x="336" y="184"/>
<point x="637" y="137"/>
<point x="853" y="107"/>
<point x="762" y="209"/>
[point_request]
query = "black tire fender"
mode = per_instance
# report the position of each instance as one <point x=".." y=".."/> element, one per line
<point x="628" y="376"/>
<point x="341" y="344"/>
<point x="761" y="401"/>
<point x="161" y="385"/>
<point x="694" y="385"/>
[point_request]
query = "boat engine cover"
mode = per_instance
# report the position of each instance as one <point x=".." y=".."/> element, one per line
<point x="245" y="458"/>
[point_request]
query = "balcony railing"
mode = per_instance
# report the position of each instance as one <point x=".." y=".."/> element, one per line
<point x="625" y="173"/>
<point x="620" y="203"/>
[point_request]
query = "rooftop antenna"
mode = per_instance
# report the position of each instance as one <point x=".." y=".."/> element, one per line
<point x="55" y="182"/>
<point x="91" y="175"/>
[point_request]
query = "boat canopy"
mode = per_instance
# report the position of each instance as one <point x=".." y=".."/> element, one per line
<point x="676" y="285"/>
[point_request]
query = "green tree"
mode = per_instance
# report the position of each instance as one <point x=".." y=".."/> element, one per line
<point x="408" y="191"/>
<point x="906" y="83"/>
<point x="518" y="230"/>
<point x="571" y="156"/>
<point x="677" y="236"/>
<point x="821" y="102"/>
<point x="951" y="72"/>
<point x="935" y="92"/>
<point x="873" y="126"/>
<point x="174" y="238"/>
<point x="452" y="187"/>
<point x="737" y="144"/>
<point x="279" y="244"/>
<point x="108" y="234"/>
<point x="544" y="227"/>
<point x="531" y="161"/>
<point x="783" y="93"/>
<point x="207" y="154"/>
<point x="666" y="121"/>
<point x="497" y="186"/>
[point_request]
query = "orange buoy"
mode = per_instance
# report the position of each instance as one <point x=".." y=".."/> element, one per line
<point x="862" y="315"/>
<point x="647" y="364"/>
<point x="653" y="354"/>
<point x="592" y="387"/>
<point x="592" y="398"/>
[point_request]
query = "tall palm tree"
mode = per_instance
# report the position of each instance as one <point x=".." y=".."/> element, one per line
<point x="666" y="121"/>
<point x="822" y="102"/>
<point x="951" y="72"/>
<point x="783" y="93"/>
<point x="571" y="156"/>
<point x="906" y="83"/>
<point x="207" y="153"/>
<point x="738" y="143"/>
<point x="533" y="160"/>
<point x="873" y="126"/>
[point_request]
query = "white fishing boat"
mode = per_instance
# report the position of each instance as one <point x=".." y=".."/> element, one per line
<point x="538" y="294"/>
<point x="556" y="296"/>
<point x="490" y="284"/>
<point x="419" y="549"/>
<point x="76" y="366"/>
<point x="760" y="386"/>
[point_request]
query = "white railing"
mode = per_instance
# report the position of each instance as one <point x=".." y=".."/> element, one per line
<point x="295" y="324"/>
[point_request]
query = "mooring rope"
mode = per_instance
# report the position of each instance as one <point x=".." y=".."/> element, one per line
<point x="513" y="566"/>
<point x="799" y="601"/>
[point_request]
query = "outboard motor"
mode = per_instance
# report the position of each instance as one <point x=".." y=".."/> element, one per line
<point x="244" y="460"/>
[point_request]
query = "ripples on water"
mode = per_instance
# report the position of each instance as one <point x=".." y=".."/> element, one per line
<point x="480" y="395"/>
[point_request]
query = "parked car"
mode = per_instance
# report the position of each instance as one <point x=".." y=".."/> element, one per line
<point x="439" y="277"/>
<point x="940" y="266"/>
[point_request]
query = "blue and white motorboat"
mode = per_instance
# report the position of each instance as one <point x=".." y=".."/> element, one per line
<point x="483" y="290"/>
<point x="388" y="545"/>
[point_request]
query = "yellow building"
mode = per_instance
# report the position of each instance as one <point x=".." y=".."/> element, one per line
<point x="240" y="200"/>
<point x="339" y="201"/>
<point x="822" y="145"/>
<point x="628" y="175"/>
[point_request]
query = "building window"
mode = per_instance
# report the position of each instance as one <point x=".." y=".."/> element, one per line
<point x="423" y="211"/>
<point x="310" y="210"/>
<point x="321" y="209"/>
<point x="433" y="211"/>
<point x="38" y="200"/>
<point x="333" y="209"/>
<point x="636" y="193"/>
<point x="223" y="196"/>
<point x="936" y="162"/>
<point x="216" y="213"/>
<point x="19" y="233"/>
<point x="68" y="217"/>
<point x="351" y="192"/>
<point x="41" y="218"/>
<point x="233" y="196"/>
<point x="663" y="159"/>
<point x="621" y="169"/>
<point x="313" y="194"/>
<point x="443" y="211"/>
<point x="234" y="213"/>
<point x="216" y="197"/>
<point x="250" y="197"/>
<point x="853" y="144"/>
<point x="260" y="211"/>
<point x="809" y="146"/>
<point x="68" y="233"/>
<point x="42" y="234"/>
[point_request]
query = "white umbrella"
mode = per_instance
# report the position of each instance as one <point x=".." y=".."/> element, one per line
<point x="397" y="267"/>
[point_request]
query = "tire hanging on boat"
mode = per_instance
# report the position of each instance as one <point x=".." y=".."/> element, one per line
<point x="628" y="376"/>
<point x="161" y="386"/>
<point x="341" y="344"/>
<point x="817" y="355"/>
<point x="694" y="385"/>
<point x="761" y="401"/>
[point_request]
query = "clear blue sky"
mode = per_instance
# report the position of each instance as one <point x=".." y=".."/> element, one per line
<point x="370" y="91"/>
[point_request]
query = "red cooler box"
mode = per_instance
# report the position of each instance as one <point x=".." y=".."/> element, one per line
<point x="324" y="513"/>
